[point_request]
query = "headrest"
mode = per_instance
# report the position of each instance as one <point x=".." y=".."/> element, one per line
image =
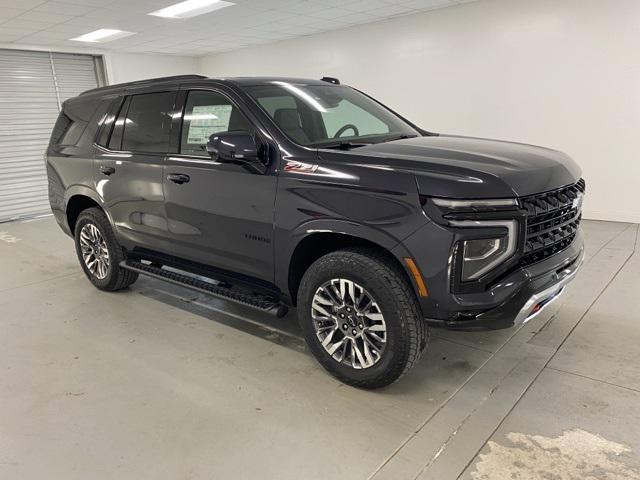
<point x="287" y="118"/>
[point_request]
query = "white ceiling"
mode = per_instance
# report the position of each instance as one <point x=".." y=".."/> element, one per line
<point x="250" y="22"/>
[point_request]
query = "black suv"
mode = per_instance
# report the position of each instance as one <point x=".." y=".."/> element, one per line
<point x="278" y="192"/>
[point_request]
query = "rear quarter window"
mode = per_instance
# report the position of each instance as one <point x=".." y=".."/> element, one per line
<point x="72" y="122"/>
<point x="60" y="128"/>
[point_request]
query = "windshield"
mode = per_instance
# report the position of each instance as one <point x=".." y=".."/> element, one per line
<point x="328" y="115"/>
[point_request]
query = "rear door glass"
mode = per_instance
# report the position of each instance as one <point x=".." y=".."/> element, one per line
<point x="148" y="123"/>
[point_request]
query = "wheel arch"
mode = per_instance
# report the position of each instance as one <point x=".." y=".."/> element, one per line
<point x="77" y="202"/>
<point x="317" y="244"/>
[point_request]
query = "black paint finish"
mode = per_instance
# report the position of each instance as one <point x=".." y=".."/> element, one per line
<point x="256" y="223"/>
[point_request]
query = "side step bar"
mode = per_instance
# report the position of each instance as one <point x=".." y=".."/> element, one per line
<point x="258" y="301"/>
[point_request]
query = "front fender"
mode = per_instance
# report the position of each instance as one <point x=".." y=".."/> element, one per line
<point x="350" y="230"/>
<point x="346" y="199"/>
<point x="380" y="237"/>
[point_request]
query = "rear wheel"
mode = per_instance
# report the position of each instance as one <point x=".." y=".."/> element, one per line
<point x="100" y="253"/>
<point x="360" y="318"/>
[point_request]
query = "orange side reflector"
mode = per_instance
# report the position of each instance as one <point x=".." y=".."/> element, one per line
<point x="413" y="268"/>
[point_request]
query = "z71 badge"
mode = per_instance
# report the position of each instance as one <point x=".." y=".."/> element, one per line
<point x="299" y="167"/>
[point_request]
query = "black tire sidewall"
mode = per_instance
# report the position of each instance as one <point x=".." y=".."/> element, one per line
<point x="395" y="355"/>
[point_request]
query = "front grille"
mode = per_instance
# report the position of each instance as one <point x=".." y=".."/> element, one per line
<point x="552" y="222"/>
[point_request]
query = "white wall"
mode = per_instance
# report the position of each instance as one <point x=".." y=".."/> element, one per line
<point x="127" y="67"/>
<point x="559" y="73"/>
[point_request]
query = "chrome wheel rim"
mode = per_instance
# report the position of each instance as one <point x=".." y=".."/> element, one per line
<point x="349" y="323"/>
<point x="94" y="251"/>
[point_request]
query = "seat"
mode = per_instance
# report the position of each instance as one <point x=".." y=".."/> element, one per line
<point x="289" y="121"/>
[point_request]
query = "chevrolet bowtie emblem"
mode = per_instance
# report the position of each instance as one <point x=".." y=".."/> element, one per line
<point x="577" y="202"/>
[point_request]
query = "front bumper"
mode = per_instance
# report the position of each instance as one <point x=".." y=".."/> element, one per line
<point x="524" y="305"/>
<point x="512" y="300"/>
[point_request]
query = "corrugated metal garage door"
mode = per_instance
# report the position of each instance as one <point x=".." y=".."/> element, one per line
<point x="32" y="87"/>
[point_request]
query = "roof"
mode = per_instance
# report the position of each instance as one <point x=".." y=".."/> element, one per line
<point x="246" y="81"/>
<point x="241" y="81"/>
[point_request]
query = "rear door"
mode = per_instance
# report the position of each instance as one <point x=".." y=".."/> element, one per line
<point x="129" y="167"/>
<point x="222" y="215"/>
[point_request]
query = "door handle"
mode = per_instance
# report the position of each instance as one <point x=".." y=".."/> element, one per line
<point x="178" y="178"/>
<point x="107" y="170"/>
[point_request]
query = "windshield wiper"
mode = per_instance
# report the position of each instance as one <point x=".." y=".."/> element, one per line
<point x="347" y="145"/>
<point x="398" y="137"/>
<point x="343" y="145"/>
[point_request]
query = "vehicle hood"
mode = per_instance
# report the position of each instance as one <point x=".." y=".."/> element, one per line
<point x="465" y="167"/>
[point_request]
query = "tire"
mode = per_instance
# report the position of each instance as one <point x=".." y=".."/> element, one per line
<point x="107" y="275"/>
<point x="394" y="308"/>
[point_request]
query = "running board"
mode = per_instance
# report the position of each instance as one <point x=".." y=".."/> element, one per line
<point x="258" y="301"/>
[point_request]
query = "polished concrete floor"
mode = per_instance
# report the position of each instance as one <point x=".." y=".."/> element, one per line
<point x="157" y="382"/>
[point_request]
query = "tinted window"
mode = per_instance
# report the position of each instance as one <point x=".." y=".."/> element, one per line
<point x="73" y="120"/>
<point x="271" y="104"/>
<point x="148" y="122"/>
<point x="207" y="113"/>
<point x="115" y="142"/>
<point x="107" y="121"/>
<point x="60" y="128"/>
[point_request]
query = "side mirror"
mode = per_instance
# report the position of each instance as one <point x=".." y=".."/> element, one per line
<point x="237" y="146"/>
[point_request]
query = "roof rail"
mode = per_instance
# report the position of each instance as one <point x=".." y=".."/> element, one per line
<point x="142" y="82"/>
<point x="333" y="80"/>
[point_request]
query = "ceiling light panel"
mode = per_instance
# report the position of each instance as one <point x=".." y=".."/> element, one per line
<point x="249" y="22"/>
<point x="191" y="8"/>
<point x="102" y="35"/>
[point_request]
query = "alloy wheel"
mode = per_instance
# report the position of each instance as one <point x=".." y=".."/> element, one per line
<point x="349" y="323"/>
<point x="94" y="251"/>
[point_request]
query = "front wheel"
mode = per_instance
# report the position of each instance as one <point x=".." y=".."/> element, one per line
<point x="360" y="318"/>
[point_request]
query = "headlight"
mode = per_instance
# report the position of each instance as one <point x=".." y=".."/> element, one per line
<point x="479" y="256"/>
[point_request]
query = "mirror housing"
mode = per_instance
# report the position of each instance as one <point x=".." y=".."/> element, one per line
<point x="238" y="146"/>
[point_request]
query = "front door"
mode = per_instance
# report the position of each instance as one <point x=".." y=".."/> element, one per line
<point x="219" y="214"/>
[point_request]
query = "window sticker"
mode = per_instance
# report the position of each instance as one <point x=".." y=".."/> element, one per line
<point x="206" y="120"/>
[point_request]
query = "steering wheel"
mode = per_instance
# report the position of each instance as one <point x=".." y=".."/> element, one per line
<point x="346" y="127"/>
